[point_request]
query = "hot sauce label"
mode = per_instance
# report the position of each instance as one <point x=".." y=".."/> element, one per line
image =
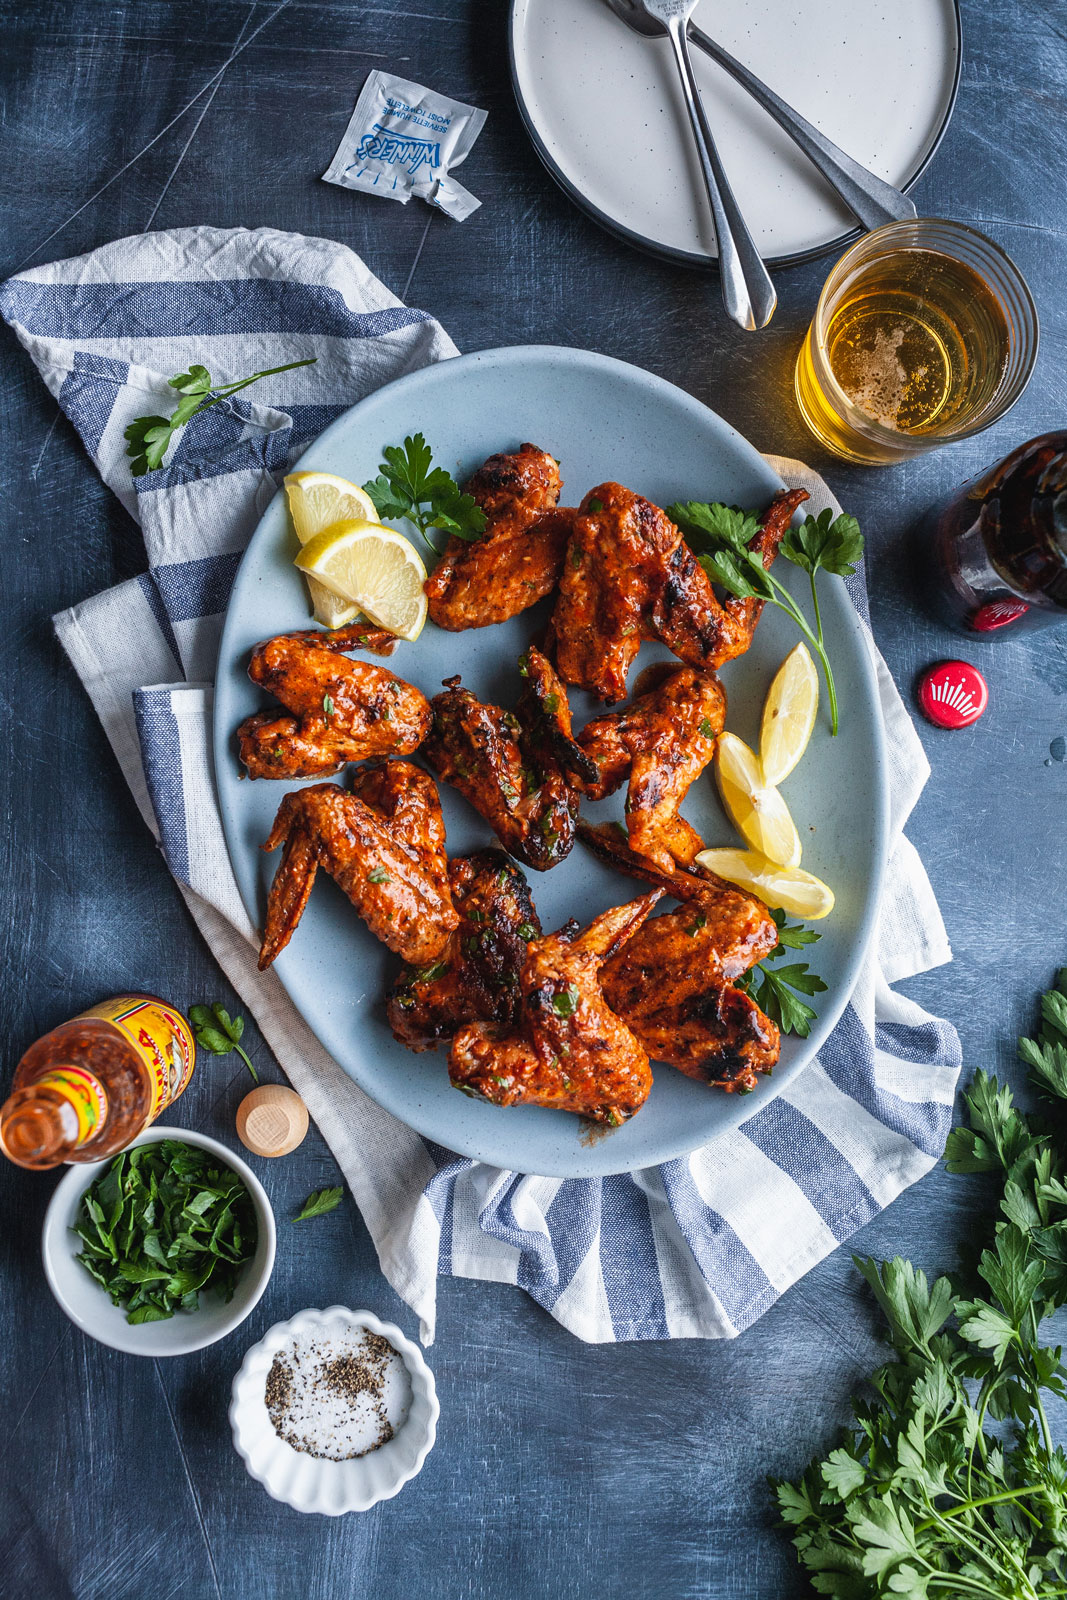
<point x="162" y="1038"/>
<point x="85" y="1095"/>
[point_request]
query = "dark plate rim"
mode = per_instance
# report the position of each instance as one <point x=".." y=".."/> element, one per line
<point x="690" y="258"/>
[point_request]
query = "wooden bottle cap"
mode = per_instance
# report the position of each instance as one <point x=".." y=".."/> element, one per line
<point x="271" y="1120"/>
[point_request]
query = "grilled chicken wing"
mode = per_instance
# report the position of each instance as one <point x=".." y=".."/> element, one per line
<point x="662" y="741"/>
<point x="672" y="984"/>
<point x="629" y="575"/>
<point x="569" y="1050"/>
<point x="512" y="767"/>
<point x="517" y="560"/>
<point x="383" y="844"/>
<point x="476" y="978"/>
<point x="339" y="710"/>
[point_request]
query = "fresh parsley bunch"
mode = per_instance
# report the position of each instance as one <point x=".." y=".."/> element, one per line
<point x="950" y="1484"/>
<point x="148" y="438"/>
<point x="771" y="987"/>
<point x="720" y="537"/>
<point x="163" y="1223"/>
<point x="411" y="487"/>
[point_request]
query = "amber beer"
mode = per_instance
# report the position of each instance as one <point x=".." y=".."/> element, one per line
<point x="925" y="332"/>
<point x="88" y="1088"/>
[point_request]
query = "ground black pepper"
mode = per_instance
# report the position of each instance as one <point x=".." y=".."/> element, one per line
<point x="316" y="1395"/>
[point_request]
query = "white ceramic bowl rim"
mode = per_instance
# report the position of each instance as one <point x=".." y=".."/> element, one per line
<point x="87" y="1304"/>
<point x="309" y="1483"/>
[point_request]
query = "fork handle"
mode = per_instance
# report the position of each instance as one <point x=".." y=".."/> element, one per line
<point x="747" y="291"/>
<point x="867" y="197"/>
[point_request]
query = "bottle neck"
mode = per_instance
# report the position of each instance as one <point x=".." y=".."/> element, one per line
<point x="43" y="1123"/>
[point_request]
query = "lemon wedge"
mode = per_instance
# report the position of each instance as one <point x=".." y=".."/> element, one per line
<point x="755" y="808"/>
<point x="373" y="568"/>
<point x="787" y="889"/>
<point x="317" y="500"/>
<point x="788" y="715"/>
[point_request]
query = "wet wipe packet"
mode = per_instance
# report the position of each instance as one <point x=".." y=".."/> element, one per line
<point x="403" y="140"/>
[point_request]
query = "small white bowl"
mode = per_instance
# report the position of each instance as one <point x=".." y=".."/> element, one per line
<point x="88" y="1305"/>
<point x="310" y="1483"/>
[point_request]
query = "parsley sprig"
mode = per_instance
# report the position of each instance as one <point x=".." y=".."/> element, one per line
<point x="924" y="1498"/>
<point x="215" y="1030"/>
<point x="148" y="438"/>
<point x="319" y="1202"/>
<point x="772" y="988"/>
<point x="720" y="537"/>
<point x="163" y="1224"/>
<point x="410" y="487"/>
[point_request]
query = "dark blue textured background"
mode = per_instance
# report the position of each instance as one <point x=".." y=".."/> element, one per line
<point x="560" y="1470"/>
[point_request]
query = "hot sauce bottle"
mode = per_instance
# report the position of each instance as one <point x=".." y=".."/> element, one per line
<point x="999" y="544"/>
<point x="88" y="1088"/>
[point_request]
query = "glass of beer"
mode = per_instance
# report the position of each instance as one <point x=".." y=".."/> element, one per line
<point x="925" y="332"/>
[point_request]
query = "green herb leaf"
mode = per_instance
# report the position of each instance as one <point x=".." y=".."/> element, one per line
<point x="319" y="1202"/>
<point x="148" y="438"/>
<point x="410" y="488"/>
<point x="833" y="543"/>
<point x="930" y="1494"/>
<point x="720" y="537"/>
<point x="771" y="987"/>
<point x="378" y="875"/>
<point x="565" y="1002"/>
<point x="163" y="1223"/>
<point x="215" y="1030"/>
<point x="327" y="707"/>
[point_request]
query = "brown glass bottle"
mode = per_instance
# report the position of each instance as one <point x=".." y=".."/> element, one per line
<point x="89" y="1087"/>
<point x="999" y="544"/>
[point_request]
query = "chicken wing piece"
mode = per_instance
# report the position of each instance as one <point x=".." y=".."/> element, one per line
<point x="476" y="978"/>
<point x="661" y="741"/>
<point x="569" y="1050"/>
<point x="629" y="575"/>
<point x="384" y="845"/>
<point x="511" y="768"/>
<point x="672" y="983"/>
<point x="518" y="558"/>
<point x="340" y="710"/>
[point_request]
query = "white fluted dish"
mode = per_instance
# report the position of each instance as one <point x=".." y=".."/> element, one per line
<point x="309" y="1483"/>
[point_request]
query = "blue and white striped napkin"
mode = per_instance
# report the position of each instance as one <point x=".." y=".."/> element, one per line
<point x="698" y="1248"/>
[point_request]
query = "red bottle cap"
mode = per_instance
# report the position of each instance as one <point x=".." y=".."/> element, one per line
<point x="953" y="694"/>
<point x="997" y="614"/>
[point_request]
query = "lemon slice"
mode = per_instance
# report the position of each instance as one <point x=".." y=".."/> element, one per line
<point x="756" y="810"/>
<point x="788" y="715"/>
<point x="373" y="568"/>
<point x="316" y="500"/>
<point x="788" y="889"/>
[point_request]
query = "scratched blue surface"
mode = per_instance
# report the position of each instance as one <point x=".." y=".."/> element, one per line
<point x="560" y="1470"/>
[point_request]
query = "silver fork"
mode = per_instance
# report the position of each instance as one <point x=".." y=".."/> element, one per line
<point x="747" y="291"/>
<point x="869" y="199"/>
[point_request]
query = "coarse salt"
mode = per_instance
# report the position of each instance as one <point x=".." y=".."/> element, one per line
<point x="338" y="1397"/>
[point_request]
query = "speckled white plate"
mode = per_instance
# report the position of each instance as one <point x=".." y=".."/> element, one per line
<point x="603" y="107"/>
<point x="307" y="1482"/>
<point x="603" y="419"/>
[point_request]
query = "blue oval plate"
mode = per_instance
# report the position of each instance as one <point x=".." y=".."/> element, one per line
<point x="603" y="420"/>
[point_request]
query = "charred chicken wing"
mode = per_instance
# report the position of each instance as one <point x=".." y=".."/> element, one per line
<point x="518" y="558"/>
<point x="629" y="575"/>
<point x="673" y="984"/>
<point x="569" y="1049"/>
<point x="662" y="741"/>
<point x="476" y="978"/>
<point x="383" y="844"/>
<point x="338" y="710"/>
<point x="514" y="769"/>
